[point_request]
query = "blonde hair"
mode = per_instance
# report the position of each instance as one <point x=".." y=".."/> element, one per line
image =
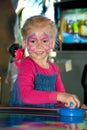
<point x="39" y="22"/>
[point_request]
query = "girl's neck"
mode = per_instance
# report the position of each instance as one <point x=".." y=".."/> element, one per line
<point x="42" y="63"/>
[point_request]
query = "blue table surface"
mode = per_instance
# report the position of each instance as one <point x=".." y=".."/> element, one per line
<point x="22" y="118"/>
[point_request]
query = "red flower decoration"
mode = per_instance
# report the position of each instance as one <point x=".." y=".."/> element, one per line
<point x="19" y="54"/>
<point x="16" y="64"/>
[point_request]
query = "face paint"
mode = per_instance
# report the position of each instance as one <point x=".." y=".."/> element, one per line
<point x="47" y="43"/>
<point x="31" y="43"/>
<point x="36" y="40"/>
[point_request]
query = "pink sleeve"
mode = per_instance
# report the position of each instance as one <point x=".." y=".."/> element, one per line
<point x="26" y="76"/>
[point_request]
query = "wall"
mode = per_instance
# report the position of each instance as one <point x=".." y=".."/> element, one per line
<point x="72" y="79"/>
<point x="7" y="19"/>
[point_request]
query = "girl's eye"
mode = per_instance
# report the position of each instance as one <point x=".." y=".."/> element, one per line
<point x="32" y="41"/>
<point x="45" y="41"/>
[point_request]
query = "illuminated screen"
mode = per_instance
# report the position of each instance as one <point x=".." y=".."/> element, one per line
<point x="71" y="20"/>
<point x="74" y="26"/>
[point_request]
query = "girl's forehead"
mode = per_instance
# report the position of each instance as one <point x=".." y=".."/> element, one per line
<point x="39" y="30"/>
<point x="38" y="34"/>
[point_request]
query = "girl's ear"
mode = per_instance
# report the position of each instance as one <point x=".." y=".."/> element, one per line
<point x="24" y="44"/>
<point x="53" y="44"/>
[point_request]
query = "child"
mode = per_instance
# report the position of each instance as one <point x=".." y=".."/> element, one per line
<point x="12" y="70"/>
<point x="39" y="82"/>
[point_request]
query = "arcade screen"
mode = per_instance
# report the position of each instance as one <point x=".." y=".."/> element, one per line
<point x="71" y="20"/>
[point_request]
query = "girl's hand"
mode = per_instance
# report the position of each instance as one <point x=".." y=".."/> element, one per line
<point x="84" y="106"/>
<point x="67" y="98"/>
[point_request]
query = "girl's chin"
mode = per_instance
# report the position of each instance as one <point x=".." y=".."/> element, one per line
<point x="39" y="57"/>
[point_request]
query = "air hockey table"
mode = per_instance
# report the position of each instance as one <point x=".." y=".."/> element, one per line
<point x="25" y="118"/>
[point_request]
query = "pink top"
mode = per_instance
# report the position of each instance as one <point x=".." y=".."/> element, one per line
<point x="26" y="77"/>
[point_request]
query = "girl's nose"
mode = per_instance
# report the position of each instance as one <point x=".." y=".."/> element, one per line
<point x="38" y="44"/>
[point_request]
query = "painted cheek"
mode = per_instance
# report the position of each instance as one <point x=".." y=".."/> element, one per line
<point x="31" y="48"/>
<point x="47" y="48"/>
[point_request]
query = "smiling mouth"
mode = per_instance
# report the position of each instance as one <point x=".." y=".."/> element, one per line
<point x="39" y="53"/>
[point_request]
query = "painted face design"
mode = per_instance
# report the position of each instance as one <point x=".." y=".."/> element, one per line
<point x="36" y="40"/>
